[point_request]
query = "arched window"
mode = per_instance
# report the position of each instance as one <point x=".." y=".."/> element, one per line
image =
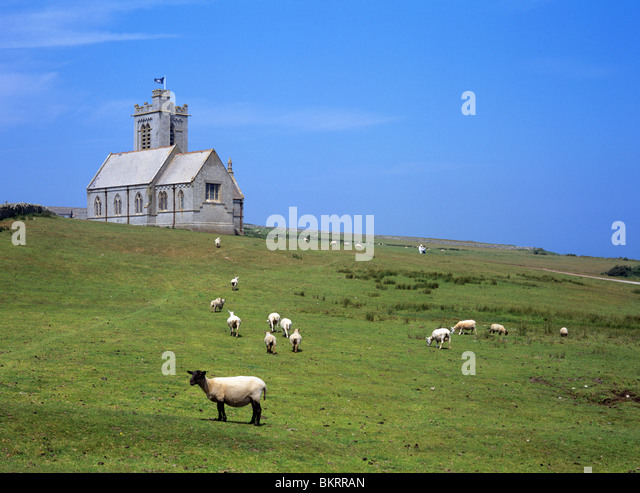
<point x="145" y="136"/>
<point x="181" y="200"/>
<point x="172" y="134"/>
<point x="138" y="203"/>
<point x="117" y="205"/>
<point x="162" y="201"/>
<point x="97" y="207"/>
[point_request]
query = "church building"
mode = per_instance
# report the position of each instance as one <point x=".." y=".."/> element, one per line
<point x="160" y="183"/>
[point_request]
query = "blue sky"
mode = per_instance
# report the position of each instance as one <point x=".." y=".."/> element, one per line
<point x="348" y="107"/>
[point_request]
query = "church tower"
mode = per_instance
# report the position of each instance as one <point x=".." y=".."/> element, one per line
<point x="160" y="123"/>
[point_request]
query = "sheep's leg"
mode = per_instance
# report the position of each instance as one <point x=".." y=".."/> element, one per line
<point x="257" y="412"/>
<point x="222" y="416"/>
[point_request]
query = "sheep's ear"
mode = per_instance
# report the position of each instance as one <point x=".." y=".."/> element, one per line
<point x="189" y="372"/>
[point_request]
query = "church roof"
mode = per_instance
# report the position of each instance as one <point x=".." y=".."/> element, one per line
<point x="131" y="168"/>
<point x="185" y="167"/>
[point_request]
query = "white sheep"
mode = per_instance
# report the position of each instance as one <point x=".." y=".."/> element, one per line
<point x="499" y="329"/>
<point x="234" y="323"/>
<point x="285" y="323"/>
<point x="270" y="342"/>
<point x="274" y="321"/>
<point x="234" y="283"/>
<point x="234" y="391"/>
<point x="295" y="340"/>
<point x="440" y="335"/>
<point x="217" y="242"/>
<point x="463" y="325"/>
<point x="564" y="332"/>
<point x="217" y="304"/>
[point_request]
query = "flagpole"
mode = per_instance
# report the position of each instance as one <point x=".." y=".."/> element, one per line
<point x="164" y="82"/>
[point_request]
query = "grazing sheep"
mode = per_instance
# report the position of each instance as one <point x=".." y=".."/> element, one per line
<point x="285" y="323"/>
<point x="234" y="323"/>
<point x="218" y="242"/>
<point x="274" y="321"/>
<point x="234" y="391"/>
<point x="217" y="304"/>
<point x="270" y="342"/>
<point x="295" y="340"/>
<point x="498" y="328"/>
<point x="234" y="283"/>
<point x="440" y="335"/>
<point x="564" y="332"/>
<point x="463" y="325"/>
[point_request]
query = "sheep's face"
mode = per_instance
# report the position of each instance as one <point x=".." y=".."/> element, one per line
<point x="196" y="376"/>
<point x="429" y="339"/>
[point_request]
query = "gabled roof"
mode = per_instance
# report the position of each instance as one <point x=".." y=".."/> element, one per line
<point x="131" y="168"/>
<point x="185" y="167"/>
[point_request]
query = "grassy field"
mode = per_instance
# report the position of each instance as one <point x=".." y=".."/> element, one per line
<point x="88" y="309"/>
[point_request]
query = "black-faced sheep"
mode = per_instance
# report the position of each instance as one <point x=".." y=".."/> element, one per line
<point x="234" y="283"/>
<point x="234" y="391"/>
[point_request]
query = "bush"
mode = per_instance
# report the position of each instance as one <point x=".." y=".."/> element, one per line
<point x="623" y="271"/>
<point x="23" y="209"/>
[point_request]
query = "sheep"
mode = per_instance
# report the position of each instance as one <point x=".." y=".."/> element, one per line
<point x="295" y="340"/>
<point x="217" y="304"/>
<point x="234" y="283"/>
<point x="270" y="342"/>
<point x="234" y="391"/>
<point x="464" y="325"/>
<point x="499" y="329"/>
<point x="274" y="321"/>
<point x="564" y="332"/>
<point x="440" y="335"/>
<point x="234" y="323"/>
<point x="285" y="323"/>
<point x="217" y="242"/>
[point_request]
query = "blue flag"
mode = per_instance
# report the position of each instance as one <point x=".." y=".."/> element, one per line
<point x="159" y="81"/>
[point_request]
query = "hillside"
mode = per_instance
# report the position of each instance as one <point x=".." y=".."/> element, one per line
<point x="87" y="311"/>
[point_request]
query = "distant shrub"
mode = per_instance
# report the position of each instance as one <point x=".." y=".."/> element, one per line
<point x="24" y="209"/>
<point x="623" y="271"/>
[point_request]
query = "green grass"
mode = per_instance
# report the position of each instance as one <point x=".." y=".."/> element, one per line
<point x="88" y="309"/>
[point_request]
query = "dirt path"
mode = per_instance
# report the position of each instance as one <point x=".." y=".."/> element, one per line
<point x="585" y="275"/>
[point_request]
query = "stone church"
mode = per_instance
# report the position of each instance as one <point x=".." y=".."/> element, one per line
<point x="160" y="183"/>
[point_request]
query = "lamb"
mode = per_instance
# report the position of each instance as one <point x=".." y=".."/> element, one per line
<point x="234" y="323"/>
<point x="270" y="342"/>
<point x="217" y="304"/>
<point x="217" y="242"/>
<point x="440" y="335"/>
<point x="234" y="283"/>
<point x="498" y="328"/>
<point x="463" y="325"/>
<point x="285" y="323"/>
<point x="295" y="340"/>
<point x="234" y="391"/>
<point x="274" y="321"/>
<point x="564" y="332"/>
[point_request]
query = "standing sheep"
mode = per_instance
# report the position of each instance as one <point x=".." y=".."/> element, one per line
<point x="564" y="332"/>
<point x="286" y="324"/>
<point x="234" y="323"/>
<point x="274" y="321"/>
<point x="217" y="304"/>
<point x="463" y="325"/>
<point x="295" y="340"/>
<point x="270" y="342"/>
<point x="440" y="335"/>
<point x="218" y="242"/>
<point x="234" y="391"/>
<point x="234" y="283"/>
<point x="499" y="329"/>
